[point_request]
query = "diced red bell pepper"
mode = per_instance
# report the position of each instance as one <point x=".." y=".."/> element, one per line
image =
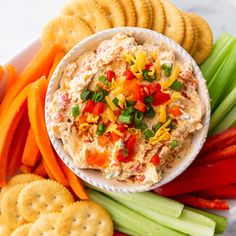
<point x="201" y="177"/>
<point x="129" y="75"/>
<point x="221" y="192"/>
<point x="140" y="106"/>
<point x="114" y="137"/>
<point x="153" y="88"/>
<point x="118" y="234"/>
<point x="155" y="160"/>
<point x="82" y="119"/>
<point x="148" y="66"/>
<point x="103" y="140"/>
<point x="134" y="90"/>
<point x="99" y="108"/>
<point x="96" y="159"/>
<point x="217" y="155"/>
<point x="219" y="141"/>
<point x="117" y="113"/>
<point x="202" y="202"/>
<point x="110" y="75"/>
<point x="121" y="128"/>
<point x="89" y="106"/>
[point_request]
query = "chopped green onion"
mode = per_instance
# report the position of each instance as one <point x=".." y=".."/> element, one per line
<point x="174" y="143"/>
<point x="129" y="110"/>
<point x="99" y="95"/>
<point x="150" y="112"/>
<point x="130" y="103"/>
<point x="177" y="85"/>
<point x="115" y="101"/>
<point x="101" y="129"/>
<point x="138" y="117"/>
<point x="86" y="95"/>
<point x="104" y="80"/>
<point x="148" y="134"/>
<point x="171" y="126"/>
<point x="157" y="126"/>
<point x="125" y="152"/>
<point x="125" y="118"/>
<point x="143" y="126"/>
<point x="167" y="69"/>
<point x="148" y="77"/>
<point x="75" y="111"/>
<point x="148" y="100"/>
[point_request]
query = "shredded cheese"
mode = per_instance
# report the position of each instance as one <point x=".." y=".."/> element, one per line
<point x="166" y="84"/>
<point x="129" y="58"/>
<point x="92" y="119"/>
<point x="174" y="96"/>
<point x="153" y="55"/>
<point x="113" y="128"/>
<point x="113" y="84"/>
<point x="136" y="132"/>
<point x="121" y="101"/>
<point x="111" y="116"/>
<point x="120" y="80"/>
<point x="162" y="113"/>
<point x="141" y="60"/>
<point x="117" y="90"/>
<point x="110" y="103"/>
<point x="152" y="71"/>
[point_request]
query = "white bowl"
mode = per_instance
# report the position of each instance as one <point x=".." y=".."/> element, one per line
<point x="95" y="177"/>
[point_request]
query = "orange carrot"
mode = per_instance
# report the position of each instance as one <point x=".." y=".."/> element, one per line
<point x="103" y="140"/>
<point x="50" y="175"/>
<point x="58" y="57"/>
<point x="40" y="170"/>
<point x="25" y="169"/>
<point x="74" y="181"/>
<point x="175" y="111"/>
<point x="31" y="152"/>
<point x="8" y="125"/>
<point x="1" y="73"/>
<point x="12" y="76"/>
<point x="35" y="69"/>
<point x="17" y="145"/>
<point x="36" y="116"/>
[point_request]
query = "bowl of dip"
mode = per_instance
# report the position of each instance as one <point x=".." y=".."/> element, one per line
<point x="127" y="109"/>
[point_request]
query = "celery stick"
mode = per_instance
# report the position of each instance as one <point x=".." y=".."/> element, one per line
<point x="221" y="222"/>
<point x="220" y="51"/>
<point x="179" y="224"/>
<point x="228" y="121"/>
<point x="222" y="79"/>
<point x="149" y="200"/>
<point x="123" y="217"/>
<point x="228" y="103"/>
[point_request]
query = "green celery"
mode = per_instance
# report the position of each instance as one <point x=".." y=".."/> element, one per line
<point x="221" y="222"/>
<point x="222" y="79"/>
<point x="125" y="218"/>
<point x="182" y="225"/>
<point x="228" y="103"/>
<point x="220" y="51"/>
<point x="228" y="121"/>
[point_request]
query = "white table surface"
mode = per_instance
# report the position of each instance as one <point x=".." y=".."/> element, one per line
<point x="21" y="22"/>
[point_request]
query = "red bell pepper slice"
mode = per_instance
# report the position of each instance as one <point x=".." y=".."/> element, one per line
<point x="110" y="75"/>
<point x="148" y="66"/>
<point x="118" y="234"/>
<point x="155" y="160"/>
<point x="140" y="106"/>
<point x="219" y="141"/>
<point x="202" y="202"/>
<point x="82" y="119"/>
<point x="175" y="111"/>
<point x="201" y="177"/>
<point x="134" y="90"/>
<point x="89" y="106"/>
<point x="99" y="108"/>
<point x="221" y="192"/>
<point x="228" y="152"/>
<point x="129" y="75"/>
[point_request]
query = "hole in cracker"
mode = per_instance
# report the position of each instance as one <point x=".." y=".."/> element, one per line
<point x="84" y="228"/>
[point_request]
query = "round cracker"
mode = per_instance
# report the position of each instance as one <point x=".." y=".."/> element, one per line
<point x="195" y="42"/>
<point x="174" y="25"/>
<point x="189" y="32"/>
<point x="85" y="218"/>
<point x="142" y="13"/>
<point x="113" y="11"/>
<point x="43" y="197"/>
<point x="205" y="41"/>
<point x="9" y="205"/>
<point x="45" y="225"/>
<point x="5" y="230"/>
<point x="90" y="12"/>
<point x="158" y="16"/>
<point x="23" y="230"/>
<point x="129" y="10"/>
<point x="66" y="31"/>
<point x="151" y="13"/>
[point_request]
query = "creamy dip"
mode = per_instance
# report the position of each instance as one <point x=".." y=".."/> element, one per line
<point x="127" y="109"/>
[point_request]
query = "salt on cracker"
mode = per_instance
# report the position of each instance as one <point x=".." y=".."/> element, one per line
<point x="45" y="225"/>
<point x="129" y="10"/>
<point x="9" y="205"/>
<point x="142" y="13"/>
<point x="22" y="230"/>
<point x="85" y="218"/>
<point x="43" y="197"/>
<point x="189" y="32"/>
<point x="205" y="41"/>
<point x="151" y="13"/>
<point x="113" y="11"/>
<point x="66" y="31"/>
<point x="174" y="26"/>
<point x="90" y="12"/>
<point x="158" y="16"/>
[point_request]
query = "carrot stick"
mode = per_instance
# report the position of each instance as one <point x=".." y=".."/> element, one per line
<point x="8" y="125"/>
<point x="36" y="116"/>
<point x="31" y="152"/>
<point x="74" y="181"/>
<point x="35" y="69"/>
<point x="17" y="145"/>
<point x="25" y="169"/>
<point x="58" y="57"/>
<point x="1" y="73"/>
<point x="50" y="175"/>
<point x="12" y="76"/>
<point x="40" y="170"/>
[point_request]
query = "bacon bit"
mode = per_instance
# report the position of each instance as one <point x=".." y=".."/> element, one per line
<point x="65" y="100"/>
<point x="59" y="117"/>
<point x="186" y="75"/>
<point x="155" y="160"/>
